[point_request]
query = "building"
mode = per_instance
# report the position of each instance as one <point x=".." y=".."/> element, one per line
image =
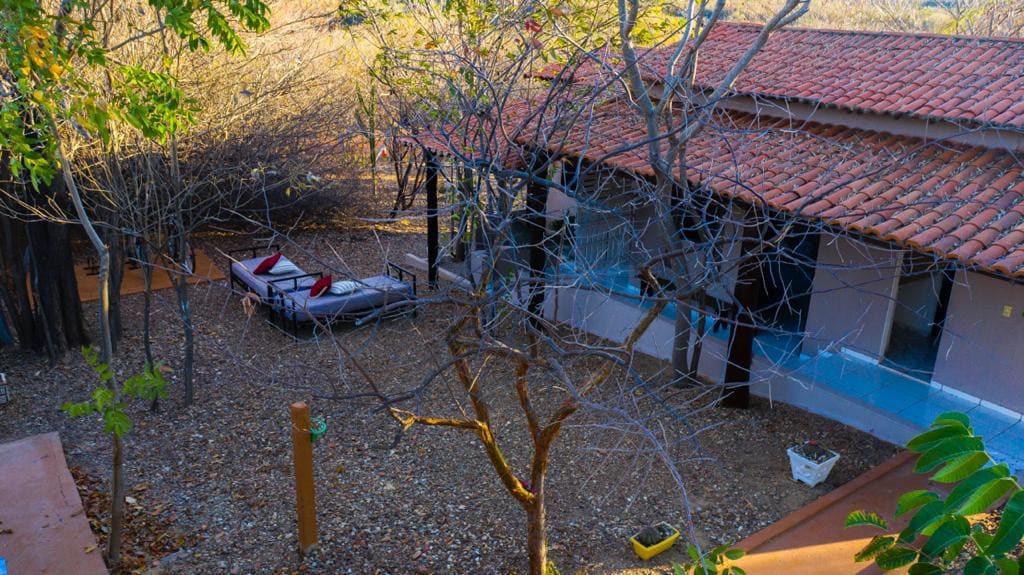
<point x="886" y="175"/>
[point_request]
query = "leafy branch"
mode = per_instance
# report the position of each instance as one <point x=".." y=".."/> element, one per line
<point x="108" y="400"/>
<point x="955" y="455"/>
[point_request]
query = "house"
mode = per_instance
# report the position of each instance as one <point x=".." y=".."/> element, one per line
<point x="886" y="175"/>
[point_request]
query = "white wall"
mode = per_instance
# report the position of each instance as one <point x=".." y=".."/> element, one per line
<point x="853" y="301"/>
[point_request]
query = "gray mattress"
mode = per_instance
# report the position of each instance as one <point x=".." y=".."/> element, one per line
<point x="377" y="291"/>
<point x="258" y="283"/>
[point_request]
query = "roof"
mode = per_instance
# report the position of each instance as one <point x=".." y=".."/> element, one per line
<point x="955" y="201"/>
<point x="974" y="80"/>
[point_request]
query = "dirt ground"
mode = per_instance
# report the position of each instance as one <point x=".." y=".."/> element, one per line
<point x="211" y="484"/>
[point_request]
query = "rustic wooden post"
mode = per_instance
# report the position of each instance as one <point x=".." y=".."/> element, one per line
<point x="302" y="452"/>
<point x="536" y="206"/>
<point x="432" y="232"/>
<point x="741" y="339"/>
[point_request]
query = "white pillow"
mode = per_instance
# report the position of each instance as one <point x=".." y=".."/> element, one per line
<point x="344" y="287"/>
<point x="284" y="266"/>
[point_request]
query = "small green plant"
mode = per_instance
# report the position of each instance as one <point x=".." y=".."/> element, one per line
<point x="718" y="561"/>
<point x="109" y="401"/>
<point x="957" y="457"/>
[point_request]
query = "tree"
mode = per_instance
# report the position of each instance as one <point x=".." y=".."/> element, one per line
<point x="67" y="93"/>
<point x="457" y="90"/>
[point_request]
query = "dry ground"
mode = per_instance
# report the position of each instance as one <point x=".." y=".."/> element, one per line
<point x="216" y="477"/>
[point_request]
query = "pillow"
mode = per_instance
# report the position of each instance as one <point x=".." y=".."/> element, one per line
<point x="265" y="265"/>
<point x="284" y="266"/>
<point x="320" y="287"/>
<point x="344" y="287"/>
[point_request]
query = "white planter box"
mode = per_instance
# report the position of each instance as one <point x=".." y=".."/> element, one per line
<point x="808" y="471"/>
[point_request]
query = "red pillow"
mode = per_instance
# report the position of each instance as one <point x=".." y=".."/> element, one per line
<point x="265" y="265"/>
<point x="320" y="287"/>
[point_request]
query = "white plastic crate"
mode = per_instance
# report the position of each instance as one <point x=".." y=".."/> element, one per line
<point x="808" y="471"/>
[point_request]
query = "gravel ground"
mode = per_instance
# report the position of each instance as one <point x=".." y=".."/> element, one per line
<point x="217" y="475"/>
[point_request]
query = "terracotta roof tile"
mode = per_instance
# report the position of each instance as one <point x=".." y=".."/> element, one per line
<point x="961" y="202"/>
<point x="927" y="76"/>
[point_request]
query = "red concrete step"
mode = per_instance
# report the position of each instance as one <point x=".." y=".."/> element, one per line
<point x="39" y="504"/>
<point x="813" y="541"/>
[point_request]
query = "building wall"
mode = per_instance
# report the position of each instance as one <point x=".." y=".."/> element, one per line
<point x="853" y="298"/>
<point x="918" y="301"/>
<point x="981" y="349"/>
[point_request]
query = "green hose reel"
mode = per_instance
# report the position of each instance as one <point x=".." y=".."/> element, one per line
<point x="317" y="427"/>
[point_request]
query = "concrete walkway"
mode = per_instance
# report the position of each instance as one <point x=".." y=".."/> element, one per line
<point x="43" y="528"/>
<point x="813" y="541"/>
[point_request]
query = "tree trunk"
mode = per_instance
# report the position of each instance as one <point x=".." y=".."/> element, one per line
<point x="536" y="534"/>
<point x="180" y="281"/>
<point x="113" y="241"/>
<point x="67" y="286"/>
<point x="44" y="288"/>
<point x="116" y="506"/>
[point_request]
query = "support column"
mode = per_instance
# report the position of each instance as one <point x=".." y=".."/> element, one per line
<point x="741" y="340"/>
<point x="536" y="205"/>
<point x="432" y="232"/>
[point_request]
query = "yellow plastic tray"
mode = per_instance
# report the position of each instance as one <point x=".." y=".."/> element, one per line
<point x="646" y="553"/>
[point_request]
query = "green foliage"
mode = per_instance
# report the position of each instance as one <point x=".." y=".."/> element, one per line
<point x="717" y="561"/>
<point x="950" y="450"/>
<point x="63" y="79"/>
<point x="107" y="399"/>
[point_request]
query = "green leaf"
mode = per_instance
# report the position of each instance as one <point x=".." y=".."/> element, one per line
<point x="924" y="521"/>
<point x="735" y="554"/>
<point x="78" y="409"/>
<point x="953" y="418"/>
<point x="933" y="437"/>
<point x="1011" y="526"/>
<point x="980" y="565"/>
<point x="962" y="467"/>
<point x="948" y="534"/>
<point x="895" y="557"/>
<point x="913" y="499"/>
<point x="960" y="497"/>
<point x="116" y="421"/>
<point x="948" y="450"/>
<point x="859" y="517"/>
<point x="1008" y="566"/>
<point x="924" y="569"/>
<point x="103" y="397"/>
<point x="985" y="497"/>
<point x="877" y="544"/>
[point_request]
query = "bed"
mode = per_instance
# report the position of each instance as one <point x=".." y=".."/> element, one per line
<point x="241" y="273"/>
<point x="291" y="305"/>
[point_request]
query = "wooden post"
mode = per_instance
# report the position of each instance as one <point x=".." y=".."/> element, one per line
<point x="432" y="231"/>
<point x="741" y="339"/>
<point x="302" y="451"/>
<point x="536" y="204"/>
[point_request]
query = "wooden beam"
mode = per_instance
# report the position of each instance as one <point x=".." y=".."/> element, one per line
<point x="305" y="496"/>
<point x="536" y="206"/>
<point x="432" y="230"/>
<point x="736" y="392"/>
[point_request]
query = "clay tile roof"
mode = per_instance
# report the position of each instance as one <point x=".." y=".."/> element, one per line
<point x="955" y="78"/>
<point x="958" y="202"/>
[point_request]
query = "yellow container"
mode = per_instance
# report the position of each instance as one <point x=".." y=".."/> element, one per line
<point x="646" y="553"/>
